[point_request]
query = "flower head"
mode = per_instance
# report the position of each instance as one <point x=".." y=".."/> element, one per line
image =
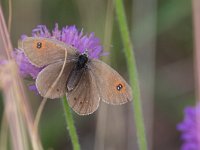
<point x="25" y="67"/>
<point x="69" y="35"/>
<point x="190" y="128"/>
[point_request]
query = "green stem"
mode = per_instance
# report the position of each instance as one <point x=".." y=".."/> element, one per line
<point x="70" y="124"/>
<point x="131" y="63"/>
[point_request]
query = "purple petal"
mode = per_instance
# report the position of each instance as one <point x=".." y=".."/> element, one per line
<point x="25" y="67"/>
<point x="33" y="88"/>
<point x="189" y="128"/>
<point x="23" y="36"/>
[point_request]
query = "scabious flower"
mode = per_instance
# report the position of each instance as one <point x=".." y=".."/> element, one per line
<point x="190" y="128"/>
<point x="69" y="35"/>
<point x="25" y="67"/>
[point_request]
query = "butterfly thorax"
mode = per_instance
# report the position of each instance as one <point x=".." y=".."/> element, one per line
<point x="82" y="60"/>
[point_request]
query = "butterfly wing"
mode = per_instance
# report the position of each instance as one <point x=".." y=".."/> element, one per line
<point x="47" y="77"/>
<point x="43" y="51"/>
<point x="84" y="98"/>
<point x="112" y="87"/>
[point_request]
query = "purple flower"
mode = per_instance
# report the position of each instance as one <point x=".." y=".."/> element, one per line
<point x="69" y="35"/>
<point x="25" y="67"/>
<point x="190" y="128"/>
<point x="3" y="62"/>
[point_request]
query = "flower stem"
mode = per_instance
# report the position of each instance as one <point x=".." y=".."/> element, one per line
<point x="70" y="124"/>
<point x="131" y="63"/>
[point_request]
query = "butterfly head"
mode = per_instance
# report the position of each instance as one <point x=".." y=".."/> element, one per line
<point x="86" y="52"/>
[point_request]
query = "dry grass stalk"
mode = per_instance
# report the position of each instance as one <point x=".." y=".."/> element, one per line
<point x="17" y="110"/>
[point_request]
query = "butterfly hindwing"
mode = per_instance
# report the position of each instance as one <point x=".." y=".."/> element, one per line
<point x="84" y="98"/>
<point x="112" y="87"/>
<point x="43" y="51"/>
<point x="47" y="77"/>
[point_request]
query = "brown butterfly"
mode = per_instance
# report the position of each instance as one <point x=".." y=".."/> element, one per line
<point x="85" y="81"/>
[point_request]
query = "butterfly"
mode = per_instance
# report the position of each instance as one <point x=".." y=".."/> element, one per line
<point x="84" y="80"/>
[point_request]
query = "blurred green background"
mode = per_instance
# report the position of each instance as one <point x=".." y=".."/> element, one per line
<point x="162" y="35"/>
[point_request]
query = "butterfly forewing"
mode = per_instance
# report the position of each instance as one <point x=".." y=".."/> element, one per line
<point x="43" y="51"/>
<point x="84" y="98"/>
<point x="47" y="77"/>
<point x="112" y="87"/>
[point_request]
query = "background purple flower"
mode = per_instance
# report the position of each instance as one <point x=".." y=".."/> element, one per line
<point x="189" y="128"/>
<point x="69" y="35"/>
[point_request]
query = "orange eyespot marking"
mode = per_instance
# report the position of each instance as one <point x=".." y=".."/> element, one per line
<point x="39" y="45"/>
<point x="120" y="87"/>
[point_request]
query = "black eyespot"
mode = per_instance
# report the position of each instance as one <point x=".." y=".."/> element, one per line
<point x="119" y="87"/>
<point x="81" y="102"/>
<point x="57" y="90"/>
<point x="39" y="45"/>
<point x="74" y="98"/>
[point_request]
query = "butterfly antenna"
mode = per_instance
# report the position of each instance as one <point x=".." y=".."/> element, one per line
<point x="42" y="104"/>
